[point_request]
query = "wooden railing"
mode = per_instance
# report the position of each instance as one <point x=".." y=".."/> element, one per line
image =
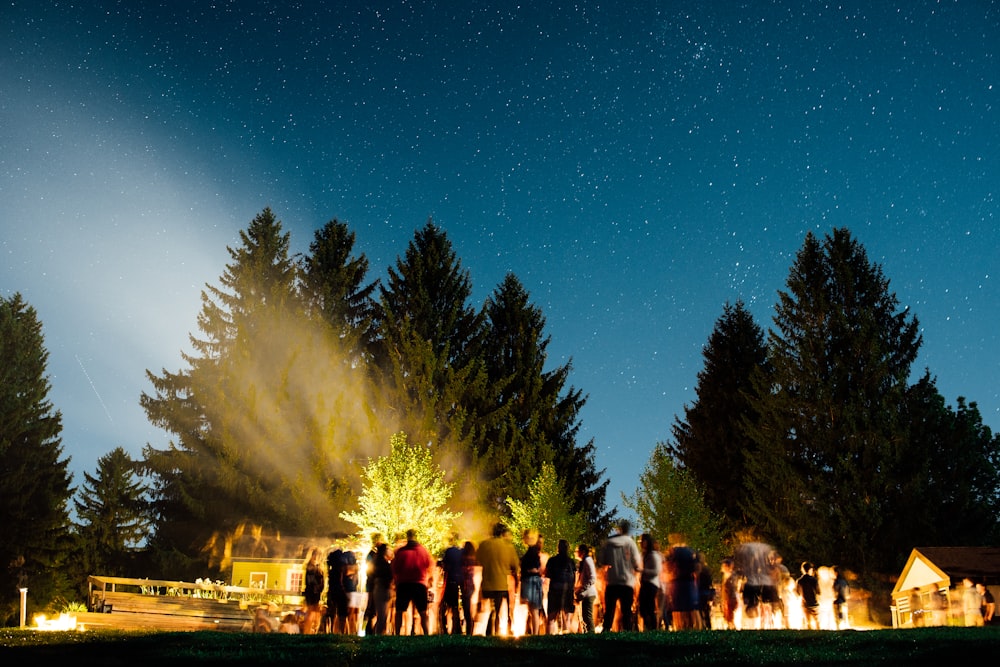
<point x="179" y="605"/>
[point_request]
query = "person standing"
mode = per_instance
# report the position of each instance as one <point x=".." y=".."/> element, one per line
<point x="369" y="570"/>
<point x="499" y="561"/>
<point x="988" y="606"/>
<point x="560" y="570"/>
<point x="649" y="583"/>
<point x="808" y="589"/>
<point x="622" y="561"/>
<point x="730" y="593"/>
<point x="682" y="569"/>
<point x="841" y="591"/>
<point x="313" y="593"/>
<point x="349" y="577"/>
<point x="451" y="569"/>
<point x="468" y="585"/>
<point x="336" y="595"/>
<point x="411" y="568"/>
<point x="586" y="587"/>
<point x="972" y="603"/>
<point x="381" y="589"/>
<point x="531" y="582"/>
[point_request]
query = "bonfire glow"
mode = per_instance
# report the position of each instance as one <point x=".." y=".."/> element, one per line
<point x="63" y="623"/>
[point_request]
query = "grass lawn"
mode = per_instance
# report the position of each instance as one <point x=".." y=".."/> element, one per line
<point x="940" y="647"/>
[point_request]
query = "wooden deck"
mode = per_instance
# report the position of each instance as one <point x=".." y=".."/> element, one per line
<point x="143" y="604"/>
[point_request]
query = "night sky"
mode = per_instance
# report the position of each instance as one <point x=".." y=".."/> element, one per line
<point x="636" y="166"/>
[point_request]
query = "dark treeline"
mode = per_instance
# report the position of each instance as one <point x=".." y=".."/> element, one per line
<point x="305" y="366"/>
<point x="813" y="435"/>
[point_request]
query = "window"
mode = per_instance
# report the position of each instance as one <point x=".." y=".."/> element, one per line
<point x="295" y="580"/>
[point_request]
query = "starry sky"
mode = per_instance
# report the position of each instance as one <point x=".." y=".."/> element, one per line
<point x="637" y="165"/>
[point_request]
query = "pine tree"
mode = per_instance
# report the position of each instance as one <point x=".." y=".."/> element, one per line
<point x="539" y="416"/>
<point x="34" y="479"/>
<point x="950" y="477"/>
<point x="711" y="440"/>
<point x="261" y="421"/>
<point x="829" y="437"/>
<point x="429" y="348"/>
<point x="334" y="282"/>
<point x="114" y="516"/>
<point x="515" y="356"/>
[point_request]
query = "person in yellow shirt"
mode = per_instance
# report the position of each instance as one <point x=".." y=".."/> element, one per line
<point x="499" y="561"/>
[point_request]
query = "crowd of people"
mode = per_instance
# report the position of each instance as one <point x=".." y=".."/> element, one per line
<point x="624" y="585"/>
<point x="972" y="605"/>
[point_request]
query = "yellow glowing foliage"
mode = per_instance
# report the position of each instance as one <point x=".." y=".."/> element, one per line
<point x="405" y="490"/>
<point x="547" y="511"/>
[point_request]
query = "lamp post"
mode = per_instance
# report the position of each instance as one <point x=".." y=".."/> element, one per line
<point x="24" y="605"/>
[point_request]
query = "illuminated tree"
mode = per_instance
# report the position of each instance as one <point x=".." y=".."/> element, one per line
<point x="830" y="438"/>
<point x="264" y="416"/>
<point x="669" y="500"/>
<point x="711" y="441"/>
<point x="548" y="510"/>
<point x="405" y="490"/>
<point x="34" y="481"/>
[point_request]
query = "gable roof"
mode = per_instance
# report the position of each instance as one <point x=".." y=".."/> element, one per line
<point x="949" y="565"/>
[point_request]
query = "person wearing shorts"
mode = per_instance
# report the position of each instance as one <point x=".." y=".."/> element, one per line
<point x="411" y="569"/>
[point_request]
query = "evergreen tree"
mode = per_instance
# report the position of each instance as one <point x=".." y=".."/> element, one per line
<point x="260" y="419"/>
<point x="711" y="440"/>
<point x="34" y="479"/>
<point x="950" y="478"/>
<point x="334" y="282"/>
<point x="538" y="419"/>
<point x="430" y="291"/>
<point x="114" y="518"/>
<point x="515" y="356"/>
<point x="821" y="478"/>
<point x="429" y="348"/>
<point x="669" y="500"/>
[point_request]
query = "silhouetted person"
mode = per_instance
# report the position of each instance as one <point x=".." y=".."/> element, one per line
<point x="649" y="583"/>
<point x="622" y="560"/>
<point x="807" y="587"/>
<point x="468" y="585"/>
<point x="560" y="570"/>
<point x="531" y="582"/>
<point x="313" y="593"/>
<point x="841" y="591"/>
<point x="586" y="587"/>
<point x="336" y="595"/>
<point x="369" y="565"/>
<point x="381" y="588"/>
<point x="682" y="570"/>
<point x="451" y="569"/>
<point x="499" y="561"/>
<point x="411" y="568"/>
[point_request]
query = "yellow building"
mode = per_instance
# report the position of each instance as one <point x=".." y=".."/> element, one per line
<point x="925" y="593"/>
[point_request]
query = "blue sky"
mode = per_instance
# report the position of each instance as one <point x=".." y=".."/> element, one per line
<point x="635" y="166"/>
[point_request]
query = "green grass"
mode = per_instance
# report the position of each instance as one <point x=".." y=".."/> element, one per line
<point x="940" y="647"/>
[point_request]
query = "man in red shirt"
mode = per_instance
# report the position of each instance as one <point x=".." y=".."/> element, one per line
<point x="411" y="568"/>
